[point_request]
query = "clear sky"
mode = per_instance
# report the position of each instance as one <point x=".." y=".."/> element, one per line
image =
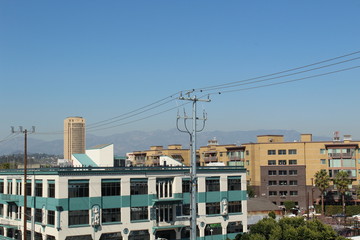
<point x="101" y="59"/>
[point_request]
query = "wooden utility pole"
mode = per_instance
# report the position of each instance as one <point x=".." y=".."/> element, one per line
<point x="25" y="132"/>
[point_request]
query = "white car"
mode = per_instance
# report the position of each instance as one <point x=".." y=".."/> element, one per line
<point x="356" y="217"/>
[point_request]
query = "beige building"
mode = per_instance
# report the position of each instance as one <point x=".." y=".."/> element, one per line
<point x="74" y="136"/>
<point x="152" y="156"/>
<point x="228" y="155"/>
<point x="282" y="171"/>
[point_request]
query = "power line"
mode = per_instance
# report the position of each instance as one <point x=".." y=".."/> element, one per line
<point x="247" y="82"/>
<point x="149" y="107"/>
<point x="284" y="82"/>
<point x="277" y="73"/>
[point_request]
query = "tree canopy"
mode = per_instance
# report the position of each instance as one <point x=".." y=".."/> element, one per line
<point x="296" y="228"/>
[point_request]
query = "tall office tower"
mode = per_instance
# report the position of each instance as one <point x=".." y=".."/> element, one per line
<point x="74" y="136"/>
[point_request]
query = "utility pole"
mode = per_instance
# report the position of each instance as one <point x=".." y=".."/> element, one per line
<point x="192" y="133"/>
<point x="25" y="132"/>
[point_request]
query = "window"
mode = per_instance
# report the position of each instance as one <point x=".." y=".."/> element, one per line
<point x="283" y="193"/>
<point x="186" y="209"/>
<point x="1" y="186"/>
<point x="282" y="152"/>
<point x="234" y="227"/>
<point x="322" y="151"/>
<point x="323" y="161"/>
<point x="138" y="213"/>
<point x="186" y="186"/>
<point x="38" y="215"/>
<point x="292" y="162"/>
<point x="51" y="189"/>
<point x="9" y="188"/>
<point x="234" y="207"/>
<point x="28" y="188"/>
<point x="212" y="184"/>
<point x="78" y="217"/>
<point x="282" y="182"/>
<point x="28" y="214"/>
<point x="272" y="193"/>
<point x="272" y="183"/>
<point x="51" y="217"/>
<point x="272" y="172"/>
<point x="247" y="152"/>
<point x="292" y="172"/>
<point x="234" y="183"/>
<point x="164" y="188"/>
<point x="282" y="172"/>
<point x="110" y="187"/>
<point x="271" y="162"/>
<point x="271" y="152"/>
<point x="293" y="182"/>
<point x="213" y="208"/>
<point x="78" y="188"/>
<point x="1" y="209"/>
<point x="138" y="186"/>
<point x="293" y="193"/>
<point x="38" y="189"/>
<point x="282" y="162"/>
<point x="292" y="151"/>
<point x="111" y="215"/>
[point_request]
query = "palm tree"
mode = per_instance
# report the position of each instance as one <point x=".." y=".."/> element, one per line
<point x="322" y="182"/>
<point x="342" y="182"/>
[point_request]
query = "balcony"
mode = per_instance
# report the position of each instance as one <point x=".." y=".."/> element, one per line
<point x="341" y="155"/>
<point x="236" y="158"/>
<point x="210" y="159"/>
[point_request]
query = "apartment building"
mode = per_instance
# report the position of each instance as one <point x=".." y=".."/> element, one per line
<point x="282" y="171"/>
<point x="135" y="203"/>
<point x="228" y="155"/>
<point x="152" y="156"/>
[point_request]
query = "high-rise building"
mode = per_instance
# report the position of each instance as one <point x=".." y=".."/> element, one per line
<point x="74" y="136"/>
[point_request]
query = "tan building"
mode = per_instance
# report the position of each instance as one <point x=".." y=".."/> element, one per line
<point x="228" y="155"/>
<point x="74" y="136"/>
<point x="284" y="171"/>
<point x="152" y="156"/>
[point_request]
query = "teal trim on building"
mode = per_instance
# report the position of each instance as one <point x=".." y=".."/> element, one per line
<point x="79" y="181"/>
<point x="84" y="159"/>
<point x="111" y="180"/>
<point x="234" y="177"/>
<point x="138" y="180"/>
<point x="112" y="202"/>
<point x="78" y="171"/>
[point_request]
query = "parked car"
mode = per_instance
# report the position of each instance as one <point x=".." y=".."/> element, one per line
<point x="356" y="217"/>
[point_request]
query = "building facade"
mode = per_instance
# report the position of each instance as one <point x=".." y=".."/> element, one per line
<point x="74" y="136"/>
<point x="283" y="171"/>
<point x="152" y="156"/>
<point x="122" y="203"/>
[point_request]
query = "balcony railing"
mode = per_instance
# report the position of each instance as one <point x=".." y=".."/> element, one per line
<point x="236" y="158"/>
<point x="341" y="155"/>
<point x="210" y="159"/>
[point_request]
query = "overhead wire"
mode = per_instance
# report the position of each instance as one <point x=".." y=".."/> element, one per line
<point x="100" y="125"/>
<point x="280" y="72"/>
<point x="247" y="82"/>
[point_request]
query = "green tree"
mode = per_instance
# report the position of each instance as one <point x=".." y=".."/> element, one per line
<point x="250" y="191"/>
<point x="272" y="215"/>
<point x="296" y="228"/>
<point x="342" y="182"/>
<point x="322" y="182"/>
<point x="289" y="205"/>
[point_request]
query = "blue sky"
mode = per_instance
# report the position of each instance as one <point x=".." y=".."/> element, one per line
<point x="101" y="59"/>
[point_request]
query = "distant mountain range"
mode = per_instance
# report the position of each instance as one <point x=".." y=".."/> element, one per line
<point x="141" y="140"/>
